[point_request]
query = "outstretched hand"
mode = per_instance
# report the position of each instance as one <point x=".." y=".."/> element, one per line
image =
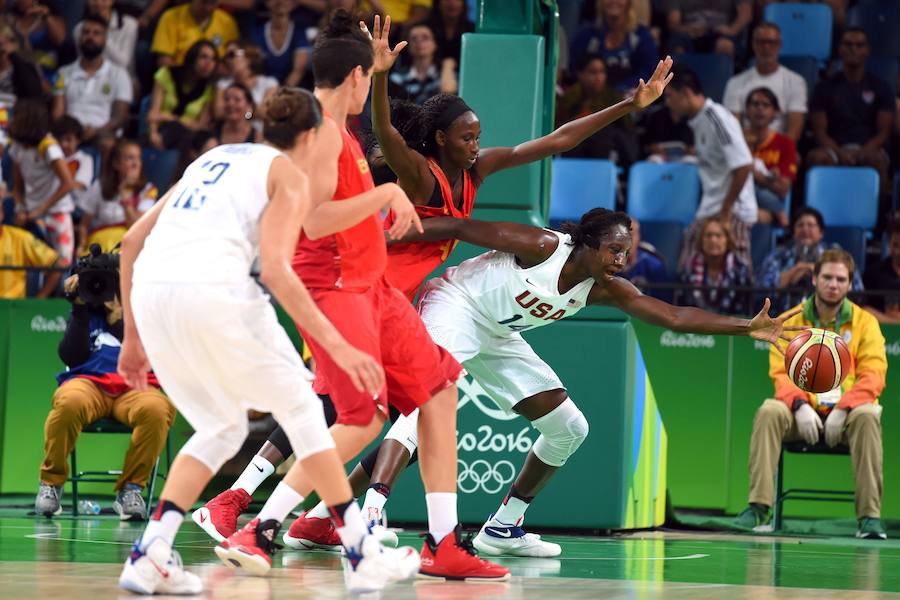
<point x="765" y="328"/>
<point x="384" y="56"/>
<point x="647" y="93"/>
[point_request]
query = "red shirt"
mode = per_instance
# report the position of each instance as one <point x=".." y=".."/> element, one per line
<point x="779" y="154"/>
<point x="410" y="264"/>
<point x="353" y="259"/>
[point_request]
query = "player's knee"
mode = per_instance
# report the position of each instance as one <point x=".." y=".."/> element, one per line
<point x="405" y="432"/>
<point x="563" y="430"/>
<point x="215" y="447"/>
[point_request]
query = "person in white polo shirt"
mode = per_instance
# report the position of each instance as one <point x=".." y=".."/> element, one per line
<point x="93" y="89"/>
<point x="724" y="159"/>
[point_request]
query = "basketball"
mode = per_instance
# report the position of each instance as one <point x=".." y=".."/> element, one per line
<point x="817" y="360"/>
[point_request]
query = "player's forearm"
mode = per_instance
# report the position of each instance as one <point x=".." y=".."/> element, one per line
<point x="330" y="217"/>
<point x="694" y="320"/>
<point x="574" y="132"/>
<point x="436" y="229"/>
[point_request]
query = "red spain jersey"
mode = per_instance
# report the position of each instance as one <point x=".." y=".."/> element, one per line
<point x="353" y="259"/>
<point x="779" y="154"/>
<point x="410" y="264"/>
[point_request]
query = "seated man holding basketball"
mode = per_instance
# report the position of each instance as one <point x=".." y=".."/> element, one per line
<point x="849" y="414"/>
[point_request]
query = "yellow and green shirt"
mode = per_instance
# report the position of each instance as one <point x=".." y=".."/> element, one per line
<point x="21" y="249"/>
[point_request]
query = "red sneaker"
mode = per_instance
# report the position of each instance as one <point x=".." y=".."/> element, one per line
<point x="251" y="548"/>
<point x="312" y="533"/>
<point x="219" y="516"/>
<point x="455" y="559"/>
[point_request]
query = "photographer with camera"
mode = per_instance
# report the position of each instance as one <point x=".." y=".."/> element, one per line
<point x="91" y="389"/>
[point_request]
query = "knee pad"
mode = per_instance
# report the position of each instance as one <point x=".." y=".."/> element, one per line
<point x="562" y="431"/>
<point x="214" y="447"/>
<point x="305" y="426"/>
<point x="406" y="431"/>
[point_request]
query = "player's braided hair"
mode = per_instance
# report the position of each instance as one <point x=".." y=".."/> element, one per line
<point x="419" y="124"/>
<point x="595" y="225"/>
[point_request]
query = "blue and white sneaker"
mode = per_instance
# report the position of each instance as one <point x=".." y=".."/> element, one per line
<point x="158" y="570"/>
<point x="496" y="539"/>
<point x="377" y="521"/>
<point x="371" y="567"/>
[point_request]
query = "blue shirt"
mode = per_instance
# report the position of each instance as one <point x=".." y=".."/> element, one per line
<point x="279" y="61"/>
<point x="636" y="58"/>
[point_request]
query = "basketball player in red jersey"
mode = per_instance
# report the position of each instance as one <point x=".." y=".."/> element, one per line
<point x="344" y="271"/>
<point x="441" y="173"/>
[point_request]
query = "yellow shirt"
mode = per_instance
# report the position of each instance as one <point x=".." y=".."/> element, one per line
<point x="398" y="10"/>
<point x="19" y="248"/>
<point x="177" y="31"/>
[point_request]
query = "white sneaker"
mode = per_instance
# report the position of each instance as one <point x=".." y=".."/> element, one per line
<point x="158" y="570"/>
<point x="374" y="566"/>
<point x="496" y="538"/>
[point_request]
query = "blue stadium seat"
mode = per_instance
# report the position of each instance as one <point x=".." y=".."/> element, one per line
<point x="159" y="166"/>
<point x="846" y="196"/>
<point x="806" y="67"/>
<point x="881" y="20"/>
<point x="578" y="185"/>
<point x="714" y="71"/>
<point x="663" y="192"/>
<point x="851" y="239"/>
<point x="666" y="236"/>
<point x="805" y="28"/>
<point x="762" y="242"/>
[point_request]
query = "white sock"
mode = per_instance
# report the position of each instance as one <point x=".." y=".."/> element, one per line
<point x="511" y="511"/>
<point x="253" y="476"/>
<point x="374" y="500"/>
<point x="165" y="527"/>
<point x="354" y="529"/>
<point x="282" y="501"/>
<point x="319" y="511"/>
<point x="442" y="517"/>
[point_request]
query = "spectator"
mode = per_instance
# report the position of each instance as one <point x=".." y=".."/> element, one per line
<point x="244" y="64"/>
<point x="664" y="138"/>
<point x="707" y="25"/>
<point x="69" y="133"/>
<point x="645" y="265"/>
<point x="93" y="89"/>
<point x="627" y="48"/>
<point x="774" y="156"/>
<point x="236" y="126"/>
<point x="422" y="79"/>
<point x="789" y="87"/>
<point x="400" y="11"/>
<point x="19" y="248"/>
<point x="91" y="389"/>
<point x="41" y="180"/>
<point x="725" y="163"/>
<point x="121" y="33"/>
<point x="792" y="266"/>
<point x="183" y="26"/>
<point x="284" y="45"/>
<point x="449" y="20"/>
<point x="182" y="98"/>
<point x="588" y="95"/>
<point x="117" y="199"/>
<point x="851" y="413"/>
<point x="19" y="77"/>
<point x="886" y="277"/>
<point x="714" y="270"/>
<point x="852" y="112"/>
<point x="42" y="31"/>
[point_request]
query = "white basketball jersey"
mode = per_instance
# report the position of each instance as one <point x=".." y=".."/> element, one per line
<point x="208" y="232"/>
<point x="509" y="298"/>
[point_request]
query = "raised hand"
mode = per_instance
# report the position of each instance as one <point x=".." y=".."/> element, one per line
<point x="384" y="56"/>
<point x="647" y="93"/>
<point x="765" y="328"/>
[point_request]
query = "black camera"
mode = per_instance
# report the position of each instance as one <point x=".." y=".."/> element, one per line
<point x="98" y="276"/>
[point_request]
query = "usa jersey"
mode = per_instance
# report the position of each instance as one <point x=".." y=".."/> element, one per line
<point x="208" y="232"/>
<point x="506" y="297"/>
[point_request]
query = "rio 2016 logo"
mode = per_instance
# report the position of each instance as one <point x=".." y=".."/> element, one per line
<point x="484" y="476"/>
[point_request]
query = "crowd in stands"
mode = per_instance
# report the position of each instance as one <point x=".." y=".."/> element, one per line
<point x="103" y="102"/>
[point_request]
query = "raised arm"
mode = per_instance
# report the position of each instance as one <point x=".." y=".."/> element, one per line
<point x="573" y="133"/>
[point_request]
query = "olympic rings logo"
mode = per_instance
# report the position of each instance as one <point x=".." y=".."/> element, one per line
<point x="471" y="391"/>
<point x="484" y="476"/>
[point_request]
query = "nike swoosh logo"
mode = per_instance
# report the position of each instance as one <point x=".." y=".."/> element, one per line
<point x="528" y="281"/>
<point x="498" y="532"/>
<point x="258" y="468"/>
<point x="203" y="517"/>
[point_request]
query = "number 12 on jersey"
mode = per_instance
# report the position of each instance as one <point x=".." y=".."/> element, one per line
<point x="192" y="198"/>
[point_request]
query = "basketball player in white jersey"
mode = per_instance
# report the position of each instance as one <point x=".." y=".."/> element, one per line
<point x="532" y="278"/>
<point x="193" y="311"/>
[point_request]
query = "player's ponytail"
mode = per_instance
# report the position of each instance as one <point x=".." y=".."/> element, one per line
<point x="594" y="225"/>
<point x="340" y="47"/>
<point x="290" y="111"/>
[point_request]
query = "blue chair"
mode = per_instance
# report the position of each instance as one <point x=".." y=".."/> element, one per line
<point x="663" y="192"/>
<point x="578" y="185"/>
<point x="851" y="239"/>
<point x="806" y="67"/>
<point x="881" y="20"/>
<point x="762" y="242"/>
<point x="714" y="71"/>
<point x="805" y="28"/>
<point x="159" y="166"/>
<point x="666" y="236"/>
<point x="846" y="196"/>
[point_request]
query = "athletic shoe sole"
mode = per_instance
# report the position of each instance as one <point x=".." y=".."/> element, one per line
<point x="55" y="513"/>
<point x="202" y="519"/>
<point x="304" y="544"/>
<point x="252" y="563"/>
<point x="434" y="576"/>
<point x="133" y="586"/>
<point x="871" y="536"/>
<point x="117" y="508"/>
<point x="494" y="551"/>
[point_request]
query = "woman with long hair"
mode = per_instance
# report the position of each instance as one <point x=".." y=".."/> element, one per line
<point x="236" y="125"/>
<point x="715" y="269"/>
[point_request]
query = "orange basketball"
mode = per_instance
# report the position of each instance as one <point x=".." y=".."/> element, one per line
<point x="817" y="360"/>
